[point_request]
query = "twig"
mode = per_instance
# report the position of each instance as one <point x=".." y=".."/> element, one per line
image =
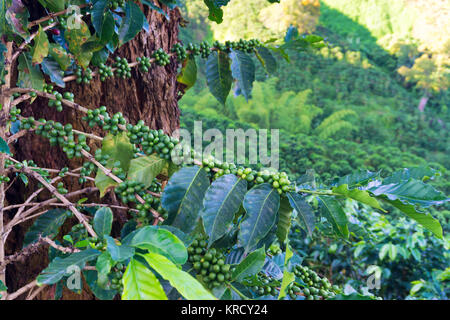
<point x="53" y="15"/>
<point x="22" y="290"/>
<point x="58" y="247"/>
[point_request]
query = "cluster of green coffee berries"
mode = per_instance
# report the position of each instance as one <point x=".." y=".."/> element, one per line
<point x="161" y="57"/>
<point x="114" y="4"/>
<point x="205" y="50"/>
<point x="100" y="157"/>
<point x="58" y="101"/>
<point x="83" y="76"/>
<point x="100" y="117"/>
<point x="268" y="286"/>
<point x="13" y="113"/>
<point x="128" y="189"/>
<point x="116" y="276"/>
<point x="78" y="232"/>
<point x="123" y="69"/>
<point x="180" y="52"/>
<point x="105" y="72"/>
<point x="151" y="140"/>
<point x="97" y="243"/>
<point x="63" y="171"/>
<point x="144" y="63"/>
<point x="60" y="188"/>
<point x="48" y="88"/>
<point x="209" y="264"/>
<point x="86" y="170"/>
<point x="62" y="135"/>
<point x="4" y="179"/>
<point x="316" y="287"/>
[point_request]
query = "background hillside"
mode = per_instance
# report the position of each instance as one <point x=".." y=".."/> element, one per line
<point x="376" y="97"/>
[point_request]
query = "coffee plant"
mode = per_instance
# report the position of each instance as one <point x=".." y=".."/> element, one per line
<point x="200" y="230"/>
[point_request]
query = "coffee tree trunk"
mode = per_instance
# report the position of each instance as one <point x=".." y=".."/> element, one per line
<point x="151" y="97"/>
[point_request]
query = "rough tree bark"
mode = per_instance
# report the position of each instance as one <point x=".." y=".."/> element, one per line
<point x="152" y="97"/>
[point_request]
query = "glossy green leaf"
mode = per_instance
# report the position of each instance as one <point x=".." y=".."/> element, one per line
<point x="4" y="148"/>
<point x="29" y="76"/>
<point x="139" y="283"/>
<point x="46" y="225"/>
<point x="423" y="173"/>
<point x="222" y="200"/>
<point x="58" y="268"/>
<point x="250" y="266"/>
<point x="261" y="204"/>
<point x="243" y="70"/>
<point x="118" y="252"/>
<point x="358" y="178"/>
<point x="335" y="215"/>
<point x="132" y="23"/>
<point x="118" y="148"/>
<point x="284" y="220"/>
<point x="183" y="197"/>
<point x="266" y="59"/>
<point x="51" y="68"/>
<point x="218" y="75"/>
<point x="103" y="221"/>
<point x="359" y="195"/>
<point x="288" y="276"/>
<point x="159" y="240"/>
<point x="304" y="211"/>
<point x="98" y="15"/>
<point x="185" y="284"/>
<point x="145" y="169"/>
<point x="411" y="191"/>
<point x="215" y="12"/>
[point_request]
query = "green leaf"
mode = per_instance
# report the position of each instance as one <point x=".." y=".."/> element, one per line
<point x="159" y="240"/>
<point x="145" y="169"/>
<point x="250" y="266"/>
<point x="423" y="173"/>
<point x="222" y="200"/>
<point x="185" y="284"/>
<point x="215" y="13"/>
<point x="4" y="148"/>
<point x="332" y="210"/>
<point x="243" y="70"/>
<point x="304" y="211"/>
<point x="132" y="23"/>
<point x="383" y="251"/>
<point x="359" y="195"/>
<point x="59" y="55"/>
<point x="52" y="69"/>
<point x="104" y="263"/>
<point x="29" y="76"/>
<point x="57" y="269"/>
<point x="40" y="49"/>
<point x="103" y="221"/>
<point x="76" y="37"/>
<point x="188" y="74"/>
<point x="266" y="59"/>
<point x="118" y="253"/>
<point x="218" y="75"/>
<point x="46" y="225"/>
<point x="288" y="277"/>
<point x="157" y="9"/>
<point x="98" y="15"/>
<point x="91" y="277"/>
<point x="411" y="191"/>
<point x="107" y="30"/>
<point x="424" y="219"/>
<point x="356" y="179"/>
<point x="118" y="148"/>
<point x="261" y="204"/>
<point x="284" y="220"/>
<point x="53" y="5"/>
<point x="183" y="197"/>
<point x="139" y="283"/>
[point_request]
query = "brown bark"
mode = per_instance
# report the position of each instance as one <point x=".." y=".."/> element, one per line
<point x="151" y="97"/>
